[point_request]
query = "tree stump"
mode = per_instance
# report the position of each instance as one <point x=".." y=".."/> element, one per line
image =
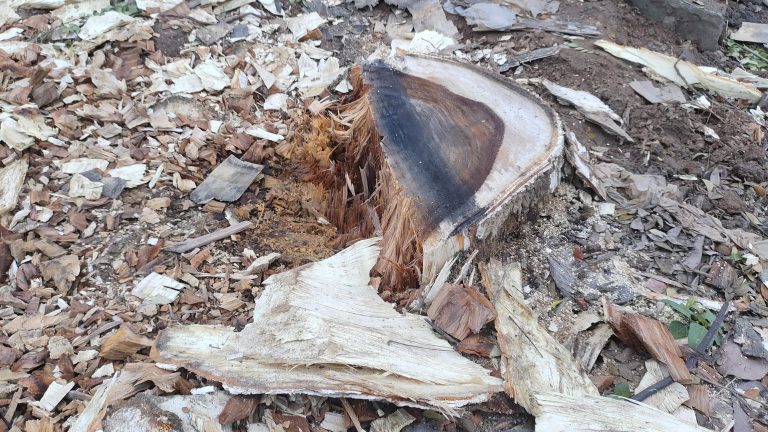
<point x="445" y="153"/>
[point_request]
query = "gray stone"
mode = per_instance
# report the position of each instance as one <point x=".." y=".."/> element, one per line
<point x="702" y="23"/>
<point x="623" y="295"/>
<point x="600" y="226"/>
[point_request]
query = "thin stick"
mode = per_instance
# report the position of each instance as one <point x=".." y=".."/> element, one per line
<point x="201" y="241"/>
<point x="352" y="415"/>
<point x="730" y="390"/>
<point x="653" y="389"/>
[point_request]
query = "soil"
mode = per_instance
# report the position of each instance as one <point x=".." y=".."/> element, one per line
<point x="748" y="10"/>
<point x="170" y="40"/>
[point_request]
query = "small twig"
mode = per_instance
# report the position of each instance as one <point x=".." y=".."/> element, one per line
<point x="730" y="390"/>
<point x="709" y="337"/>
<point x="237" y="17"/>
<point x="146" y="268"/>
<point x="179" y="16"/>
<point x="352" y="415"/>
<point x="667" y="281"/>
<point x="653" y="389"/>
<point x="201" y="241"/>
<point x="80" y="340"/>
<point x="757" y="54"/>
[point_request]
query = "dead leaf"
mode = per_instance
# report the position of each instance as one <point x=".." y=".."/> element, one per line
<point x="642" y="332"/>
<point x="732" y="362"/>
<point x="460" y="310"/>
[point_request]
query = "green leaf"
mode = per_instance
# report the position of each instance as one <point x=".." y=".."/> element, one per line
<point x="701" y="320"/>
<point x="696" y="333"/>
<point x="691" y="303"/>
<point x="680" y="308"/>
<point x="678" y="329"/>
<point x="750" y="56"/>
<point x="708" y="316"/>
<point x="622" y="389"/>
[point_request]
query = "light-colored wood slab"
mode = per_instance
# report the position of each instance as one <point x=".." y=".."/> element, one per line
<point x="532" y="361"/>
<point x="322" y="329"/>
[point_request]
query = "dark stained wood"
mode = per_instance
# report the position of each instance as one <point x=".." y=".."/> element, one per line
<point x="448" y="142"/>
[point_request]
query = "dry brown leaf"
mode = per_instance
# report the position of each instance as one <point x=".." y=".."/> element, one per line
<point x="149" y="252"/>
<point x="238" y="408"/>
<point x="460" y="310"/>
<point x="642" y="332"/>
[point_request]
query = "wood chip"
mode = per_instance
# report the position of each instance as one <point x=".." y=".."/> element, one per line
<point x="459" y="310"/>
<point x="722" y="275"/>
<point x="123" y="343"/>
<point x="238" y="408"/>
<point x="667" y="399"/>
<point x="593" y="108"/>
<point x="413" y="366"/>
<point x="260" y="264"/>
<point x="666" y="94"/>
<point x="62" y="271"/>
<point x="55" y="394"/>
<point x="158" y="289"/>
<point x="11" y="180"/>
<point x="227" y="182"/>
<point x="394" y="422"/>
<point x="751" y="32"/>
<point x="642" y="332"/>
<point x="96" y="407"/>
<point x="565" y="413"/>
<point x="589" y="350"/>
<point x="698" y="398"/>
<point x="477" y="345"/>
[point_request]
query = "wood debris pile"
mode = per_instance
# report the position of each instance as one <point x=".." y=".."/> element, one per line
<point x="231" y="215"/>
